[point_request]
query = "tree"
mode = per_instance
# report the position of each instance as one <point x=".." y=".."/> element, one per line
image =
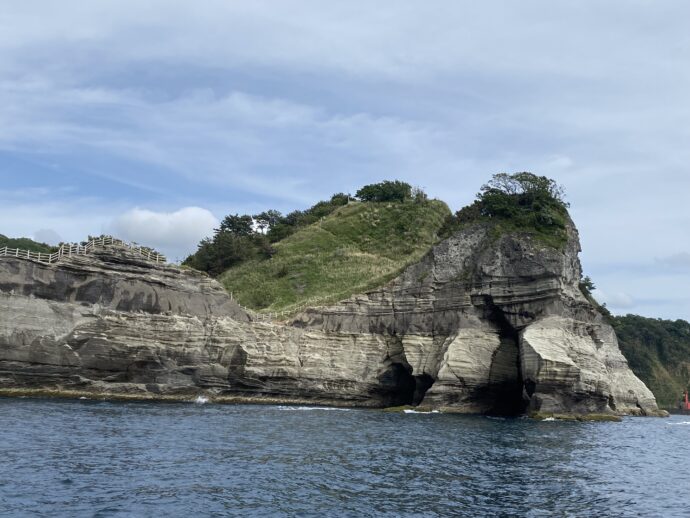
<point x="237" y="225"/>
<point x="586" y="284"/>
<point x="520" y="202"/>
<point x="241" y="237"/>
<point x="268" y="219"/>
<point x="419" y="195"/>
<point x="385" y="191"/>
<point x="523" y="197"/>
<point x="340" y="198"/>
<point x="523" y="184"/>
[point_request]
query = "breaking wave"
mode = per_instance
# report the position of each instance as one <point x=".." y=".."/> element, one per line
<point x="326" y="408"/>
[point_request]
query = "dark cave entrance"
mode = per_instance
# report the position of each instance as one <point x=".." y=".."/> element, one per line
<point x="400" y="387"/>
<point x="422" y="384"/>
<point x="505" y="394"/>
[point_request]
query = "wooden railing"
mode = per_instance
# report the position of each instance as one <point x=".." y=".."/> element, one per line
<point x="70" y="249"/>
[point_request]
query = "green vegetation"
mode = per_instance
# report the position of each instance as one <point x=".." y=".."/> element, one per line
<point x="339" y="247"/>
<point x="520" y="202"/>
<point x="386" y="191"/>
<point x="658" y="352"/>
<point x="325" y="253"/>
<point x="25" y="244"/>
<point x="357" y="247"/>
<point x="245" y="238"/>
<point x="231" y="244"/>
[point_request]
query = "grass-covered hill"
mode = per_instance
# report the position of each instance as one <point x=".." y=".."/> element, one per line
<point x="351" y="244"/>
<point x="358" y="247"/>
<point x="336" y="248"/>
<point x="658" y="351"/>
<point x="25" y="244"/>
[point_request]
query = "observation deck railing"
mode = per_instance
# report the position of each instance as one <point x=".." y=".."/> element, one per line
<point x="70" y="249"/>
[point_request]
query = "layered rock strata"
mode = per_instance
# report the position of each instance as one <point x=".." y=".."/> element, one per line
<point x="484" y="323"/>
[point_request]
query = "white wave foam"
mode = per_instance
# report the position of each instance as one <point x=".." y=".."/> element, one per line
<point x="201" y="400"/>
<point x="408" y="411"/>
<point x="682" y="422"/>
<point x="327" y="408"/>
<point x="549" y="419"/>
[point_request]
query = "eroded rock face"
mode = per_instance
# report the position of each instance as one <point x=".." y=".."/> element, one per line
<point x="500" y="326"/>
<point x="481" y="324"/>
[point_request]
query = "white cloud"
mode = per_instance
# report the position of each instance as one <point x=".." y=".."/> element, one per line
<point x="71" y="218"/>
<point x="174" y="233"/>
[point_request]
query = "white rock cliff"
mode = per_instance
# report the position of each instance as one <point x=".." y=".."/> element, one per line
<point x="482" y="324"/>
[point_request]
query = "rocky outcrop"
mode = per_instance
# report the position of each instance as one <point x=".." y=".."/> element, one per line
<point x="114" y="277"/>
<point x="484" y="323"/>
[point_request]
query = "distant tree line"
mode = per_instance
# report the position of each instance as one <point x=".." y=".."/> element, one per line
<point x="243" y="237"/>
<point x="24" y="243"/>
<point x="657" y="351"/>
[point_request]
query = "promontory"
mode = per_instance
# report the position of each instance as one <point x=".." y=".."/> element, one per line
<point x="489" y="316"/>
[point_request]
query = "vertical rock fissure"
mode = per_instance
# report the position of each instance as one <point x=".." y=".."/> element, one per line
<point x="506" y="383"/>
<point x="423" y="383"/>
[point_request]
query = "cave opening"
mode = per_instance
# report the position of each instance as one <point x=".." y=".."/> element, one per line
<point x="423" y="383"/>
<point x="506" y="390"/>
<point x="401" y="388"/>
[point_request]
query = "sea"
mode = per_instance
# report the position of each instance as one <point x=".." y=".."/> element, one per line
<point x="97" y="458"/>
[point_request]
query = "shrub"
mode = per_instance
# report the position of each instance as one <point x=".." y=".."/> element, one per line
<point x="518" y="202"/>
<point x="386" y="191"/>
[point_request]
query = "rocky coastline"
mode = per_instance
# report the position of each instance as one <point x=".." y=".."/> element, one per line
<point x="482" y="324"/>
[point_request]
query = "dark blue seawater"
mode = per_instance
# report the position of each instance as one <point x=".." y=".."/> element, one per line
<point x="88" y="458"/>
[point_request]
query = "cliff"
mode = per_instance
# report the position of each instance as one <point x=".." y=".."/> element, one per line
<point x="483" y="323"/>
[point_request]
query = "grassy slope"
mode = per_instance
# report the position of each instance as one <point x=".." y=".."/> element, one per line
<point x="25" y="244"/>
<point x="359" y="247"/>
<point x="658" y="351"/>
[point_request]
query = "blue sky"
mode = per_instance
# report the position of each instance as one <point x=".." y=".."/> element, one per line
<point x="152" y="120"/>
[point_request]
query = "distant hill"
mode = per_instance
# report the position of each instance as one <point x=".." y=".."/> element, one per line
<point x="357" y="247"/>
<point x="25" y="244"/>
<point x="658" y="351"/>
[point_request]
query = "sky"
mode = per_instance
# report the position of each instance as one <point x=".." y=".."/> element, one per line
<point x="151" y="120"/>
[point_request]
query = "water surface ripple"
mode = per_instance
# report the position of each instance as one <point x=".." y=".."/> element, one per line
<point x="89" y="458"/>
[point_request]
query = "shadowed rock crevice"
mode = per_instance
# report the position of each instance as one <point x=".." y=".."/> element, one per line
<point x="398" y="386"/>
<point x="422" y="384"/>
<point x="506" y="389"/>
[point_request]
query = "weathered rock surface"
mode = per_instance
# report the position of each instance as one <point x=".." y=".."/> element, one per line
<point x="500" y="326"/>
<point x="481" y="324"/>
